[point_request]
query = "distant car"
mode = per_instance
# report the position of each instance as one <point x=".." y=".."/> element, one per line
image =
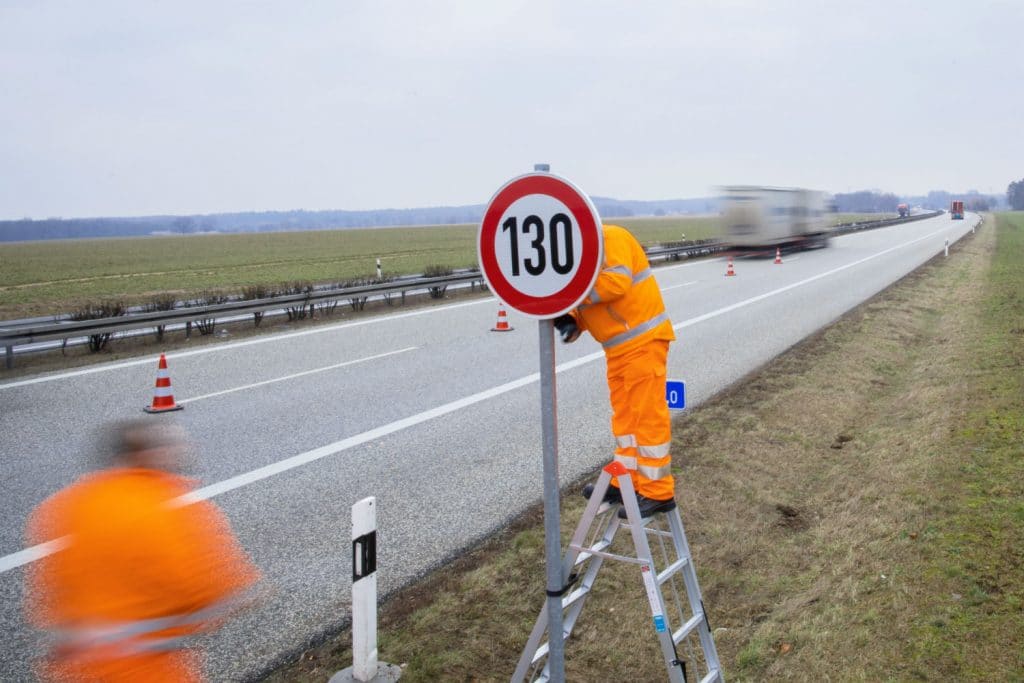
<point x="758" y="218"/>
<point x="903" y="210"/>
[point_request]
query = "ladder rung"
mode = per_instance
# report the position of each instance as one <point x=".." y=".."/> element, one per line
<point x="685" y="630"/>
<point x="713" y="675"/>
<point x="586" y="553"/>
<point x="609" y="556"/>
<point x="542" y="651"/>
<point x="574" y="596"/>
<point x="658" y="532"/>
<point x="671" y="569"/>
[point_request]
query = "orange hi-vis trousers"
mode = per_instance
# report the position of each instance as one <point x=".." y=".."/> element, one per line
<point x="640" y="418"/>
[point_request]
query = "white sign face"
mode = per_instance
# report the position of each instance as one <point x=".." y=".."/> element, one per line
<point x="537" y="245"/>
<point x="540" y="245"/>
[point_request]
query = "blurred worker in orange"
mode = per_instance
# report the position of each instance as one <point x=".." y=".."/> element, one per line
<point x="138" y="569"/>
<point x="626" y="314"/>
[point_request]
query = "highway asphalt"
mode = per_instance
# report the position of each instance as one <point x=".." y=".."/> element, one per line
<point x="428" y="410"/>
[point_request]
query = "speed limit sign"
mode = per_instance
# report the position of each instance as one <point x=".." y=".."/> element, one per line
<point x="540" y="245"/>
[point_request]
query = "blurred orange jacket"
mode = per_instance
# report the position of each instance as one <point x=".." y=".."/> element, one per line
<point x="625" y="309"/>
<point x="137" y="574"/>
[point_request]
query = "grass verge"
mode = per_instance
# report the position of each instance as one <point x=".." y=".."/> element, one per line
<point x="854" y="510"/>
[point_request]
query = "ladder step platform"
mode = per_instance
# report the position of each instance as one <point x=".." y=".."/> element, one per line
<point x="586" y="553"/>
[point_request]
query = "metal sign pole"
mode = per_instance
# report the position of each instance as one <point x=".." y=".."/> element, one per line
<point x="552" y="523"/>
<point x="546" y="226"/>
<point x="552" y="512"/>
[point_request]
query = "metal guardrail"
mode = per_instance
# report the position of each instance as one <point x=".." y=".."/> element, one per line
<point x="847" y="228"/>
<point x="12" y="335"/>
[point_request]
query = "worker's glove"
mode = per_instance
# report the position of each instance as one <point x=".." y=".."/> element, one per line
<point x="567" y="328"/>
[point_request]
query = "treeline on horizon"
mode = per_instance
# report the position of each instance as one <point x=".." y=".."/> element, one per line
<point x="28" y="229"/>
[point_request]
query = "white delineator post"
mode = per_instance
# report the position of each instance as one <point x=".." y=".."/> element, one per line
<point x="947" y="247"/>
<point x="364" y="589"/>
<point x="379" y="274"/>
<point x="365" y="666"/>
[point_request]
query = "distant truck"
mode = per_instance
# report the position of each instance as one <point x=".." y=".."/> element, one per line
<point x="903" y="209"/>
<point x="762" y="218"/>
<point x="956" y="209"/>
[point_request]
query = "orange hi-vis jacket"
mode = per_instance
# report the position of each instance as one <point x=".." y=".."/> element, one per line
<point x="138" y="572"/>
<point x="626" y="314"/>
<point x="625" y="309"/>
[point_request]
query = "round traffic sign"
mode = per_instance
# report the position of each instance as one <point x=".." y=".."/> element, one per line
<point x="540" y="245"/>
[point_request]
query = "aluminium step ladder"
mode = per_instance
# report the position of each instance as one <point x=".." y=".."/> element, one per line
<point x="583" y="559"/>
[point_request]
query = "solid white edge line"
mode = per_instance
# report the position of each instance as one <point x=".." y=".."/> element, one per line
<point x="34" y="553"/>
<point x="296" y="375"/>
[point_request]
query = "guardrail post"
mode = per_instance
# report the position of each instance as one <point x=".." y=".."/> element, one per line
<point x="9" y="357"/>
<point x="947" y="247"/>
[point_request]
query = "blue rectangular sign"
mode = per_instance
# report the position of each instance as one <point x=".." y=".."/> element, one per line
<point x="675" y="394"/>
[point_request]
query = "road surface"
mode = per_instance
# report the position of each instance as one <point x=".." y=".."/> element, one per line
<point x="427" y="410"/>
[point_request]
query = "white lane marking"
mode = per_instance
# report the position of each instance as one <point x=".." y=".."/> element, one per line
<point x="789" y="259"/>
<point x="34" y="553"/>
<point x="685" y="284"/>
<point x="786" y="288"/>
<point x="29" y="555"/>
<point x="234" y="345"/>
<point x="297" y="374"/>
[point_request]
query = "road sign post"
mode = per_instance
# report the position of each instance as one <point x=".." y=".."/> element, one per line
<point x="540" y="248"/>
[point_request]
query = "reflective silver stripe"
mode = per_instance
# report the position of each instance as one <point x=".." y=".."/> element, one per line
<point x="159" y="645"/>
<point x="658" y="451"/>
<point x="655" y="472"/>
<point x="650" y="472"/>
<point x="636" y="331"/>
<point x="625" y="440"/>
<point x="595" y="298"/>
<point x="642" y="275"/>
<point x="619" y="270"/>
<point x="628" y="461"/>
<point x="112" y="633"/>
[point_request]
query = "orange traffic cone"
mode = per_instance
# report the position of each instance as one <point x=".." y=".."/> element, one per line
<point x="502" y="324"/>
<point x="163" y="399"/>
<point x="778" y="256"/>
<point x="730" y="272"/>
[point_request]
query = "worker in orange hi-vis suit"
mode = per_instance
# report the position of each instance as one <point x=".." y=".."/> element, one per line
<point x="626" y="314"/>
<point x="137" y="569"/>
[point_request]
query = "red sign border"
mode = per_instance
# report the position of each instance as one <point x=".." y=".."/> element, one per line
<point x="586" y="216"/>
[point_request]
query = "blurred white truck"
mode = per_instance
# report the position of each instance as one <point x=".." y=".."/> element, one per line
<point x="756" y="218"/>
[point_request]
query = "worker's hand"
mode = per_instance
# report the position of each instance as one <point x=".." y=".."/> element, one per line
<point x="567" y="328"/>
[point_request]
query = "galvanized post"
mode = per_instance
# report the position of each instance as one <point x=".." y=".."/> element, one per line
<point x="9" y="357"/>
<point x="552" y="521"/>
<point x="552" y="512"/>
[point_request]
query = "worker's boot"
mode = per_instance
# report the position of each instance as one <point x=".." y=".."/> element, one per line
<point x="649" y="506"/>
<point x="613" y="495"/>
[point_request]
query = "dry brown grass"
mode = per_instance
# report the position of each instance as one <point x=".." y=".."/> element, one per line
<point x="819" y="496"/>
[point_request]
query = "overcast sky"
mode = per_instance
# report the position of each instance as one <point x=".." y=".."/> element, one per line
<point x="143" y="107"/>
